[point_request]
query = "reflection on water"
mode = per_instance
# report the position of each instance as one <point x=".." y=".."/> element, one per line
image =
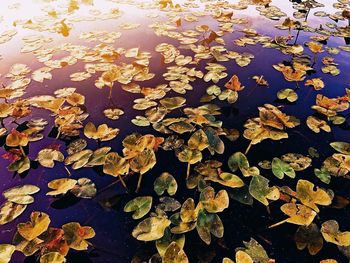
<point x="160" y="51"/>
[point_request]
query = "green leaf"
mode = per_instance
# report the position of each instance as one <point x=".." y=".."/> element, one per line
<point x="165" y="182"/>
<point x="260" y="190"/>
<point x="238" y="161"/>
<point x="140" y="206"/>
<point x="281" y="168"/>
<point x="208" y="224"/>
<point x="323" y="175"/>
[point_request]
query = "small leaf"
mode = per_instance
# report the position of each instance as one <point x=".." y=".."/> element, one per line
<point x="165" y="182"/>
<point x="76" y="235"/>
<point x="281" y="168"/>
<point x="260" y="190"/>
<point x="323" y="175"/>
<point x="140" y="206"/>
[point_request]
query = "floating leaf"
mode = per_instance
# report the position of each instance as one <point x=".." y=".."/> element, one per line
<point x="61" y="186"/>
<point x="115" y="165"/>
<point x="208" y="224"/>
<point x="297" y="161"/>
<point x="151" y="228"/>
<point x="288" y="94"/>
<point x="260" y="190"/>
<point x="165" y="182"/>
<point x="214" y="203"/>
<point x="331" y="233"/>
<point x="10" y="211"/>
<point x="168" y="204"/>
<point x="174" y="254"/>
<point x="102" y="132"/>
<point x="256" y="251"/>
<point x="140" y="206"/>
<point x="198" y="140"/>
<point x="38" y="224"/>
<point x="76" y="235"/>
<point x="281" y="168"/>
<point x="298" y="214"/>
<point x="84" y="188"/>
<point x="323" y="175"/>
<point x="46" y="157"/>
<point x="21" y="194"/>
<point x="6" y="251"/>
<point x="311" y="198"/>
<point x="52" y="257"/>
<point x="239" y="161"/>
<point x="342" y="147"/>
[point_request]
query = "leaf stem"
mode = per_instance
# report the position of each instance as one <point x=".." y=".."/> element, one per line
<point x="248" y="148"/>
<point x="110" y="92"/>
<point x="58" y="134"/>
<point x="279" y="223"/>
<point x="22" y="151"/>
<point x="123" y="183"/>
<point x="139" y="183"/>
<point x="188" y="170"/>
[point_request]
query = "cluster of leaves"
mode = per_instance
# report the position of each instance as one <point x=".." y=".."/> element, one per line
<point x="50" y="244"/>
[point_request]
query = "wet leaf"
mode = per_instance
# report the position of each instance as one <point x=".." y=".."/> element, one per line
<point x="21" y="194"/>
<point x="6" y="251"/>
<point x="311" y="198"/>
<point x="165" y="182"/>
<point x="298" y="214"/>
<point x="256" y="251"/>
<point x="151" y="228"/>
<point x="287" y="94"/>
<point x="38" y="224"/>
<point x="140" y="206"/>
<point x="331" y="233"/>
<point x="260" y="190"/>
<point x="214" y="203"/>
<point x="174" y="254"/>
<point x="209" y="224"/>
<point x="309" y="237"/>
<point x="52" y="257"/>
<point x="10" y="211"/>
<point x="84" y="188"/>
<point x="323" y="175"/>
<point x="46" y="157"/>
<point x="76" y="235"/>
<point x="61" y="186"/>
<point x="281" y="168"/>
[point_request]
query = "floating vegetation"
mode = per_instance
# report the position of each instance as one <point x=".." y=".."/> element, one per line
<point x="220" y="127"/>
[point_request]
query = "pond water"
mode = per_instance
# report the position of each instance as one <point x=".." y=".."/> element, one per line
<point x="246" y="43"/>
